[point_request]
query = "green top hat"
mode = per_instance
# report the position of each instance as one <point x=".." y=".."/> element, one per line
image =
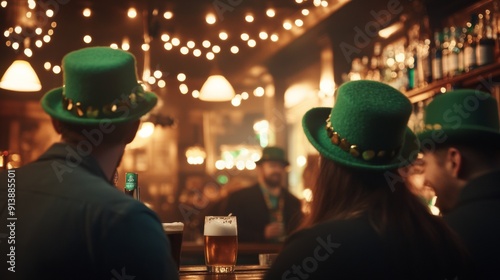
<point x="273" y="154"/>
<point x="366" y="129"/>
<point x="461" y="115"/>
<point x="100" y="83"/>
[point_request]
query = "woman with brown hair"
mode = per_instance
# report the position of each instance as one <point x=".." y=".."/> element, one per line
<point x="364" y="222"/>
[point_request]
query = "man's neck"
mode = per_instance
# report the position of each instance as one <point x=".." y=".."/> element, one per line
<point x="108" y="158"/>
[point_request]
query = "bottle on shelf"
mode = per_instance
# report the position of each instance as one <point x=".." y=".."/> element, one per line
<point x="445" y="45"/>
<point x="486" y="44"/>
<point x="455" y="55"/>
<point x="470" y="43"/>
<point x="437" y="58"/>
<point x="425" y="57"/>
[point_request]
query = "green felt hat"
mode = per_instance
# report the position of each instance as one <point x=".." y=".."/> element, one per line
<point x="461" y="115"/>
<point x="366" y="128"/>
<point x="273" y="154"/>
<point x="100" y="83"/>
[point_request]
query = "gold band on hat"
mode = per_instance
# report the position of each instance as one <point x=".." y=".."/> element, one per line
<point x="129" y="101"/>
<point x="353" y="149"/>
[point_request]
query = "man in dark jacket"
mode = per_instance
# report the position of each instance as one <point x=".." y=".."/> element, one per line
<point x="266" y="211"/>
<point x="68" y="220"/>
<point x="462" y="163"/>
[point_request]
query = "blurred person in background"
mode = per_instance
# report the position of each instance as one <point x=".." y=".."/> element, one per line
<point x="266" y="211"/>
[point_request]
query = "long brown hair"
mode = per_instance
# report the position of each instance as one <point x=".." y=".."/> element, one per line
<point x="342" y="193"/>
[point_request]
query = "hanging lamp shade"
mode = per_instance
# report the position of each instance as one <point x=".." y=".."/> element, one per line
<point x="20" y="76"/>
<point x="217" y="88"/>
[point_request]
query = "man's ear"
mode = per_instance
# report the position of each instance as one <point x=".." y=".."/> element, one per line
<point x="454" y="161"/>
<point x="132" y="129"/>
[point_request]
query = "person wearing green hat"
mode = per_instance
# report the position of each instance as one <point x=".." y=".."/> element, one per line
<point x="461" y="146"/>
<point x="364" y="222"/>
<point x="266" y="211"/>
<point x="72" y="223"/>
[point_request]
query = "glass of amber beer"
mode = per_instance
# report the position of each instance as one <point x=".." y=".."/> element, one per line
<point x="221" y="243"/>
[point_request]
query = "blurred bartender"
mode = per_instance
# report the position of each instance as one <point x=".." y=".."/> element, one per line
<point x="266" y="211"/>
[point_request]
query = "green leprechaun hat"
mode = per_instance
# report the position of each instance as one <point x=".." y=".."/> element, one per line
<point x="366" y="128"/>
<point x="100" y="83"/>
<point x="273" y="154"/>
<point x="461" y="115"/>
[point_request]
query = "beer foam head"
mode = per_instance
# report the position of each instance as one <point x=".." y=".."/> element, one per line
<point x="177" y="226"/>
<point x="220" y="226"/>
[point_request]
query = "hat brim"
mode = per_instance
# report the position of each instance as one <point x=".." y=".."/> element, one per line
<point x="52" y="104"/>
<point x="466" y="134"/>
<point x="313" y="124"/>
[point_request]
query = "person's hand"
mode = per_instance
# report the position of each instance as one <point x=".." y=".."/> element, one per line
<point x="274" y="230"/>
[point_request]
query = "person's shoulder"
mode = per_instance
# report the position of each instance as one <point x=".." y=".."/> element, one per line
<point x="357" y="229"/>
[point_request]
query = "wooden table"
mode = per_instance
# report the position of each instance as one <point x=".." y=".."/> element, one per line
<point x="199" y="272"/>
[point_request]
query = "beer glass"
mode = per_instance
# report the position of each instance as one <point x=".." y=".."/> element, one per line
<point x="221" y="243"/>
<point x="174" y="233"/>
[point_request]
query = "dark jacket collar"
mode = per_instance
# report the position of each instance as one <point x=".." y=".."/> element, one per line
<point x="486" y="186"/>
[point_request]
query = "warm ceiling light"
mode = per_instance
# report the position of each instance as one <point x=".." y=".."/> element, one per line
<point x="249" y="18"/>
<point x="6" y="33"/>
<point x="176" y="41"/>
<point x="29" y="14"/>
<point x="158" y="74"/>
<point x="223" y="35"/>
<point x="50" y="32"/>
<point x="216" y="49"/>
<point x="146" y="130"/>
<point x="287" y="24"/>
<point x="145" y="47"/>
<point x="181" y="77"/>
<point x="299" y="1"/>
<point x="184" y="50"/>
<point x="236" y="101"/>
<point x="28" y="52"/>
<point x="259" y="92"/>
<point x="210" y="18"/>
<point x="217" y="88"/>
<point x="299" y="22"/>
<point x="38" y="43"/>
<point x="3" y="4"/>
<point x="165" y="37"/>
<point x="206" y="44"/>
<point x="244" y="95"/>
<point x="235" y="49"/>
<point x="252" y="43"/>
<point x="18" y="29"/>
<point x="114" y="46"/>
<point x="38" y="31"/>
<point x="168" y="46"/>
<point x="210" y="55"/>
<point x="305" y="12"/>
<point x="324" y="4"/>
<point x="197" y="52"/>
<point x="56" y="69"/>
<point x="317" y="3"/>
<point x="161" y="83"/>
<point x="263" y="35"/>
<point x="47" y="65"/>
<point x="20" y="76"/>
<point x="87" y="12"/>
<point x="168" y="15"/>
<point x="391" y="29"/>
<point x="244" y="36"/>
<point x="53" y="24"/>
<point x="183" y="88"/>
<point x="132" y="13"/>
<point x="15" y="45"/>
<point x="87" y="39"/>
<point x="46" y="38"/>
<point x="190" y="44"/>
<point x="49" y="13"/>
<point x="195" y="93"/>
<point x="151" y="80"/>
<point x="270" y="12"/>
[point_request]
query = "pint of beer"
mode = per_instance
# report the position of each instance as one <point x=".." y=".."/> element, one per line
<point x="174" y="232"/>
<point x="221" y="243"/>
